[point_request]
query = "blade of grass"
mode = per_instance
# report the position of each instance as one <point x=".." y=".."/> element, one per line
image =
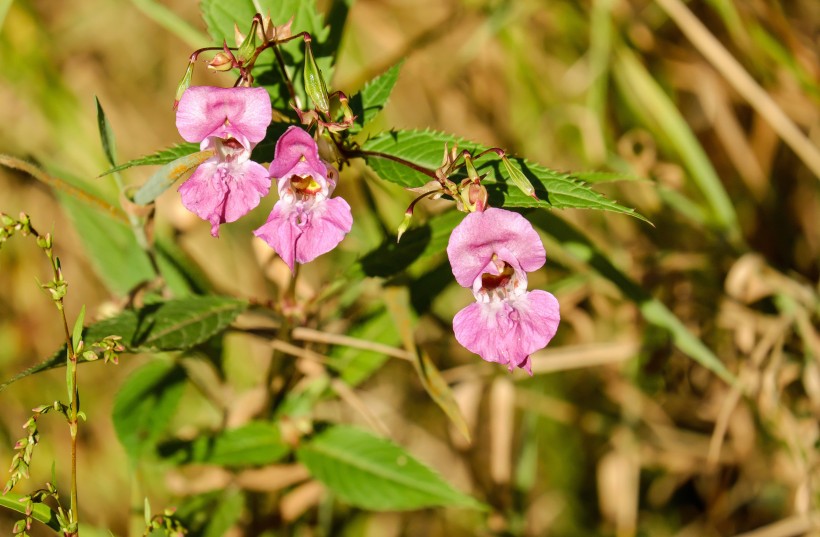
<point x="650" y="101"/>
<point x="742" y="82"/>
<point x="62" y="186"/>
<point x="172" y="22"/>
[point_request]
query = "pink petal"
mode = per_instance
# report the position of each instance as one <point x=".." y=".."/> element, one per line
<point x="222" y="192"/>
<point x="207" y="111"/>
<point x="281" y="231"/>
<point x="302" y="231"/>
<point x="508" y="331"/>
<point x="493" y="231"/>
<point x="248" y="184"/>
<point x="296" y="153"/>
<point x="327" y="224"/>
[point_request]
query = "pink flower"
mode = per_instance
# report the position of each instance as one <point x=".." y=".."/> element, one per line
<point x="230" y="121"/>
<point x="305" y="223"/>
<point x="491" y="252"/>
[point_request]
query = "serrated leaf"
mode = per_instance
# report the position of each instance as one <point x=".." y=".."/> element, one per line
<point x="426" y="148"/>
<point x="165" y="326"/>
<point x="164" y="156"/>
<point x="166" y="176"/>
<point x="372" y="99"/>
<point x="40" y="511"/>
<point x="376" y="474"/>
<point x="145" y="404"/>
<point x="253" y="444"/>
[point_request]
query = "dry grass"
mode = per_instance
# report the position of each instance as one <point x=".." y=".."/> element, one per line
<point x="618" y="433"/>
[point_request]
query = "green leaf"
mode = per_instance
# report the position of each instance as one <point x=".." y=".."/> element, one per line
<point x="106" y="135"/>
<point x="111" y="248"/>
<point x="418" y="243"/>
<point x="426" y="148"/>
<point x="376" y="474"/>
<point x="171" y="22"/>
<point x="227" y="513"/>
<point x="181" y="273"/>
<point x="212" y="513"/>
<point x="254" y="444"/>
<point x="145" y="404"/>
<point x="164" y="326"/>
<point x="357" y="365"/>
<point x="372" y="99"/>
<point x="653" y="310"/>
<point x="40" y="511"/>
<point x="159" y="158"/>
<point x="168" y="175"/>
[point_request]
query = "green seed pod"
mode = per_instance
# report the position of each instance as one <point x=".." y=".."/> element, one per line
<point x="184" y="83"/>
<point x="314" y="83"/>
<point x="518" y="178"/>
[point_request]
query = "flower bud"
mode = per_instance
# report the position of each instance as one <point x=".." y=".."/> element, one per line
<point x="518" y="178"/>
<point x="314" y="83"/>
<point x="44" y="241"/>
<point x="24" y="224"/>
<point x="221" y="62"/>
<point x="474" y="195"/>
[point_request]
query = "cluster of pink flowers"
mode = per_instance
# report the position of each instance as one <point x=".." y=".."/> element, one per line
<point x="491" y="251"/>
<point x="305" y="223"/>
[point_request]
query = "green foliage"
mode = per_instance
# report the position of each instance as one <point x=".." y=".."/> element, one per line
<point x="40" y="511"/>
<point x="211" y="514"/>
<point x="163" y="326"/>
<point x="376" y="474"/>
<point x="253" y="444"/>
<point x="367" y="104"/>
<point x="645" y="95"/>
<point x="106" y="134"/>
<point x="145" y="404"/>
<point x="398" y="304"/>
<point x="166" y="176"/>
<point x="357" y="365"/>
<point x="164" y="156"/>
<point x="220" y="18"/>
<point x="421" y="242"/>
<point x="426" y="148"/>
<point x="112" y="249"/>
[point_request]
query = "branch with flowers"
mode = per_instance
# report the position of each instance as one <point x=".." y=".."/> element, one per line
<point x="230" y="133"/>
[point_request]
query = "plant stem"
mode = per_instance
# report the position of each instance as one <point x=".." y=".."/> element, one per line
<point x="362" y="153"/>
<point x="74" y="395"/>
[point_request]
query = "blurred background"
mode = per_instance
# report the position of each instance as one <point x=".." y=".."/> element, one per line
<point x="705" y="117"/>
